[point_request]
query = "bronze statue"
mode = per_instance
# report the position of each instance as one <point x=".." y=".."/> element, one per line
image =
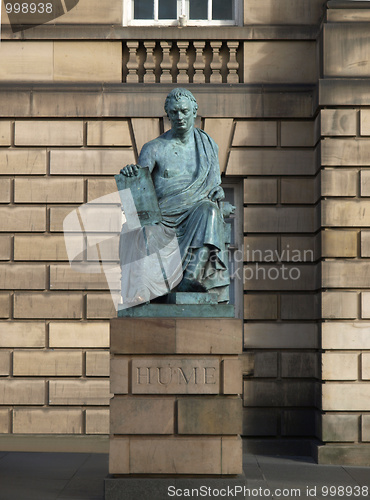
<point x="184" y="167"/>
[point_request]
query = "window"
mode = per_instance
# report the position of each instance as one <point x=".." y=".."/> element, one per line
<point x="168" y="12"/>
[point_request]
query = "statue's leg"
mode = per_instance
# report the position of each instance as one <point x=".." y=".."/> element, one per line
<point x="195" y="268"/>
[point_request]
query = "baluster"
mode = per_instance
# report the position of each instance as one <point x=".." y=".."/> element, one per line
<point x="132" y="63"/>
<point x="182" y="65"/>
<point x="233" y="65"/>
<point x="149" y="65"/>
<point x="216" y="63"/>
<point x="166" y="64"/>
<point x="199" y="63"/>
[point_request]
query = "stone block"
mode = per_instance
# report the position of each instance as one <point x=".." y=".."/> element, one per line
<point x="248" y="161"/>
<point x="97" y="188"/>
<point x="97" y="421"/>
<point x="346" y="397"/>
<point x="299" y="249"/>
<point x="22" y="276"/>
<point x="5" y="247"/>
<point x="339" y="243"/>
<point x="4" y="305"/>
<point x="343" y="428"/>
<point x="345" y="274"/>
<point x="345" y="336"/>
<point x="47" y="421"/>
<point x="22" y="161"/>
<point x="260" y="248"/>
<point x="280" y="277"/>
<point x="300" y="307"/>
<point x="22" y="392"/>
<point x="364" y="122"/>
<point x="182" y="455"/>
<point x="4" y="421"/>
<point x="75" y="334"/>
<point x="281" y="336"/>
<point x="338" y="122"/>
<point x="339" y="182"/>
<point x="298" y="134"/>
<point x="280" y="220"/>
<point x="63" y="277"/>
<point x="350" y="454"/>
<point x="365" y="427"/>
<point x="365" y="365"/>
<point x="108" y="133"/>
<point x="5" y="357"/>
<point x="266" y="365"/>
<point x="279" y="393"/>
<point x="339" y="366"/>
<point x="345" y="152"/>
<point x="48" y="133"/>
<point x="59" y="104"/>
<point x="145" y="130"/>
<point x="298" y="423"/>
<point x="353" y="58"/>
<point x="283" y="62"/>
<point x="209" y="336"/>
<point x="286" y="12"/>
<point x="130" y="415"/>
<point x="262" y="191"/>
<point x="119" y="375"/>
<point x="93" y="12"/>
<point x="24" y="61"/>
<point x="232" y="376"/>
<point x="152" y="375"/>
<point x="5" y="139"/>
<point x="365" y="243"/>
<point x="97" y="364"/>
<point x="143" y="336"/>
<point x="79" y="392"/>
<point x="299" y="191"/>
<point x="246" y="360"/>
<point x="100" y="306"/>
<point x="22" y="219"/>
<point x="220" y="129"/>
<point x="365" y="182"/>
<point x="119" y="455"/>
<point x="340" y="305"/>
<point x="22" y="334"/>
<point x="48" y="190"/>
<point x="260" y="422"/>
<point x="342" y="213"/>
<point x="89" y="161"/>
<point x="5" y="190"/>
<point x="41" y="247"/>
<point x="85" y="61"/>
<point x="48" y="305"/>
<point x="365" y="305"/>
<point x="57" y="216"/>
<point x="260" y="306"/>
<point x="255" y="133"/>
<point x="231" y="455"/>
<point x="47" y="363"/>
<point x="299" y="365"/>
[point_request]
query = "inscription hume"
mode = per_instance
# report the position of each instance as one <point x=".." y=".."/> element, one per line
<point x="175" y="376"/>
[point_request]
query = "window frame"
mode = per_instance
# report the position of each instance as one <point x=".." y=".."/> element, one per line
<point x="182" y="9"/>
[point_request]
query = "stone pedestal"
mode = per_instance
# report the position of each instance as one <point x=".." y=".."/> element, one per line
<point x="177" y="409"/>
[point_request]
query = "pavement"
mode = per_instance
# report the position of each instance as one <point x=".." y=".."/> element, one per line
<point x="80" y="476"/>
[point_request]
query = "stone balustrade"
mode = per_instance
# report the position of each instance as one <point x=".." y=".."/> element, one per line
<point x="182" y="61"/>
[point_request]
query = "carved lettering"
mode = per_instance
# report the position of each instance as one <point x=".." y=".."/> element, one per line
<point x="183" y="378"/>
<point x="166" y="375"/>
<point x="143" y="376"/>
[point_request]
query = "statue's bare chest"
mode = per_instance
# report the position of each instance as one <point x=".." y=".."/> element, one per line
<point x="177" y="159"/>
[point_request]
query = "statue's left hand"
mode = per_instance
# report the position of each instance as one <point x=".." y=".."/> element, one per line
<point x="216" y="194"/>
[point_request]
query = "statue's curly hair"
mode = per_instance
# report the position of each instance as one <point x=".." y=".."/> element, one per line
<point x="176" y="94"/>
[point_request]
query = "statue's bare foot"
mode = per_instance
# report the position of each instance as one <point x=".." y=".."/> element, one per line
<point x="187" y="285"/>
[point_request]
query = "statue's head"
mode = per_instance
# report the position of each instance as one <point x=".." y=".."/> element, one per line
<point x="181" y="108"/>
